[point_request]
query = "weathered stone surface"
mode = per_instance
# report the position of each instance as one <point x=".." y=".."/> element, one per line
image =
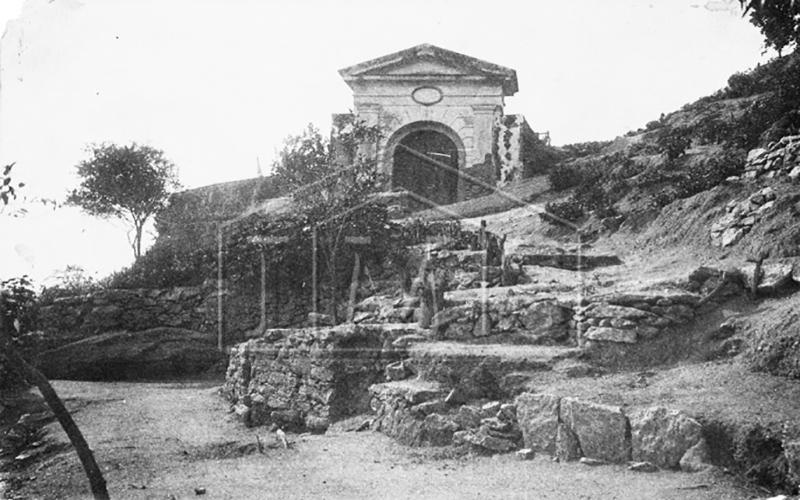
<point x="397" y="371"/>
<point x="609" y="334"/>
<point x="490" y="409"/>
<point x="323" y="372"/>
<point x="392" y="403"/>
<point x="482" y="439"/>
<point x="731" y="236"/>
<point x="437" y="430"/>
<point x="507" y="412"/>
<point x="428" y="407"/>
<point x="525" y="454"/>
<point x="467" y="417"/>
<point x="158" y="352"/>
<point x="601" y="429"/>
<point x="662" y="436"/>
<point x="567" y="446"/>
<point x="602" y="310"/>
<point x="697" y="458"/>
<point x="541" y="317"/>
<point x="775" y="275"/>
<point x="642" y="467"/>
<point x="537" y="416"/>
<point x="791" y="450"/>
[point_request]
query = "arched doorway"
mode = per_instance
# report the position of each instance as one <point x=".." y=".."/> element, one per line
<point x="425" y="162"/>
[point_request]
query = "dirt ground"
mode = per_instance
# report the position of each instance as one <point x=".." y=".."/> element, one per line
<point x="164" y="440"/>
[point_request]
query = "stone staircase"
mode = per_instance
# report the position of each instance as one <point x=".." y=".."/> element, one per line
<point x="470" y="379"/>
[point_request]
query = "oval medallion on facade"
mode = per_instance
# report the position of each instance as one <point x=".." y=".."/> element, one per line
<point x="427" y="96"/>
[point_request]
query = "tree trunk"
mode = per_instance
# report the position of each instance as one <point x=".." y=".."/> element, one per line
<point x="96" y="481"/>
<point x="137" y="249"/>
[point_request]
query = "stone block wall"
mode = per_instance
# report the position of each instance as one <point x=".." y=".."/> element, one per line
<point x="778" y="159"/>
<point x="307" y="378"/>
<point x="67" y="319"/>
<point x="516" y="150"/>
<point x="70" y="318"/>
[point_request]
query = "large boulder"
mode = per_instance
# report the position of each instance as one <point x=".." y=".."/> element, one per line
<point x="662" y="436"/>
<point x="537" y="415"/>
<point x="601" y="429"/>
<point x="147" y="354"/>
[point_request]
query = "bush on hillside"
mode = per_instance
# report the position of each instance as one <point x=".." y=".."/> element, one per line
<point x="581" y="149"/>
<point x="165" y="265"/>
<point x="710" y="173"/>
<point x="72" y="280"/>
<point x="568" y="209"/>
<point x="674" y="141"/>
<point x="563" y="177"/>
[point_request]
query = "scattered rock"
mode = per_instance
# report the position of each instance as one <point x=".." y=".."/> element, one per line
<point x="467" y="417"/>
<point x="567" y="446"/>
<point x="397" y="371"/>
<point x="491" y="408"/>
<point x="317" y="424"/>
<point x="642" y="467"/>
<point x="537" y="415"/>
<point x="525" y="454"/>
<point x="406" y="340"/>
<point x="508" y="412"/>
<point x="662" y="436"/>
<point x="592" y="461"/>
<point x="482" y="439"/>
<point x="609" y="334"/>
<point x="428" y="407"/>
<point x="601" y="429"/>
<point x="572" y="368"/>
<point x="696" y="458"/>
<point x="775" y="275"/>
<point x="437" y="430"/>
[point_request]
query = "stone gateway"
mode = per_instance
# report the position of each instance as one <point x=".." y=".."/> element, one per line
<point x="445" y="135"/>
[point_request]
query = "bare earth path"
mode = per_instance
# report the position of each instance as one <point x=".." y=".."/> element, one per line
<point x="163" y="440"/>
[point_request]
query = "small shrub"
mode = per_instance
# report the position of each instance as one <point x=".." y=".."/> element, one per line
<point x="674" y="141"/>
<point x="710" y="173"/>
<point x="581" y="149"/>
<point x="163" y="265"/>
<point x="742" y="85"/>
<point x="563" y="177"/>
<point x="73" y="280"/>
<point x="20" y="307"/>
<point x="569" y="210"/>
<point x="664" y="197"/>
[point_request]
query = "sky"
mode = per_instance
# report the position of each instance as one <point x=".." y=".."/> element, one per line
<point x="218" y="84"/>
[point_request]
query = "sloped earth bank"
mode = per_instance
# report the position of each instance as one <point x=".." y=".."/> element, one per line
<point x="171" y="440"/>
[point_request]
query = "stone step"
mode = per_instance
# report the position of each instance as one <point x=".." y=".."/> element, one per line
<point x="572" y="261"/>
<point x="478" y="370"/>
<point x="506" y="315"/>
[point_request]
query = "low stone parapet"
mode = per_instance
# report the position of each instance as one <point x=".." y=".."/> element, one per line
<point x="308" y="377"/>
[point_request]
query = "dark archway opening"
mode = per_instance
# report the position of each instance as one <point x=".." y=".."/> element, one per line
<point x="419" y="166"/>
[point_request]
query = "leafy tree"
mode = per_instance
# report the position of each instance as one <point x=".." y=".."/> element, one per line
<point x="128" y="182"/>
<point x="332" y="183"/>
<point x="778" y="21"/>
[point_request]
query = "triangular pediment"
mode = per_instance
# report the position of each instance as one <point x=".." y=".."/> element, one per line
<point x="421" y="67"/>
<point x="428" y="60"/>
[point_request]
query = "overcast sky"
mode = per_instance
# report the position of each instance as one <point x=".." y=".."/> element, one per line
<point x="217" y="84"/>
